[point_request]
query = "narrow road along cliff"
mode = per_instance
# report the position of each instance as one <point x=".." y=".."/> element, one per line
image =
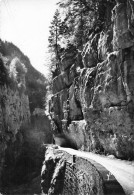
<point x="123" y="171"/>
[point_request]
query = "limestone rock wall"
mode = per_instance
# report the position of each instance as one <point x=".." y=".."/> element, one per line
<point x="96" y="86"/>
<point x="14" y="109"/>
<point x="14" y="105"/>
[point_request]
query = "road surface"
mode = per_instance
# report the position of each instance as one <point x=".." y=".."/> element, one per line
<point x="122" y="170"/>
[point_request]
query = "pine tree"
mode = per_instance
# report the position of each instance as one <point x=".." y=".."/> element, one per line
<point x="55" y="30"/>
<point x="79" y="19"/>
<point x="76" y="19"/>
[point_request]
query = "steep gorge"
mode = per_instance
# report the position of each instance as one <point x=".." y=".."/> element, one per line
<point x="93" y="103"/>
<point x="23" y="124"/>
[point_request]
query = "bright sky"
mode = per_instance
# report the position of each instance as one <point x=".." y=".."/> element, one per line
<point x="26" y="23"/>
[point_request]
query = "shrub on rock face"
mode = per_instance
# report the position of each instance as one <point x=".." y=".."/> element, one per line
<point x="17" y="72"/>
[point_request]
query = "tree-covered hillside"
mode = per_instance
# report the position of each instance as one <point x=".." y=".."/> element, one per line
<point x="35" y="82"/>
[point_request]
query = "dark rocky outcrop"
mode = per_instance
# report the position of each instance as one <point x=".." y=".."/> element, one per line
<point x="53" y="171"/>
<point x="65" y="141"/>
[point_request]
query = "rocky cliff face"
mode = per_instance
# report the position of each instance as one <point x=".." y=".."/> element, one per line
<point x="23" y="124"/>
<point x="14" y="103"/>
<point x="93" y="97"/>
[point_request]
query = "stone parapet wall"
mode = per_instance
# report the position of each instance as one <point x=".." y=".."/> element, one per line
<point x="67" y="174"/>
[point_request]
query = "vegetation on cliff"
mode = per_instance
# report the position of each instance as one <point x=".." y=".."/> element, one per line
<point x="74" y="22"/>
<point x="35" y="82"/>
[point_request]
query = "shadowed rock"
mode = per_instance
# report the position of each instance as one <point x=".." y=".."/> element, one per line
<point x="65" y="141"/>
